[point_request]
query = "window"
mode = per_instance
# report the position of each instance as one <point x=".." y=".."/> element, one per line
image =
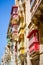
<point x="31" y="36"/>
<point x="15" y="10"/>
<point x="32" y="2"/>
<point x="37" y="35"/>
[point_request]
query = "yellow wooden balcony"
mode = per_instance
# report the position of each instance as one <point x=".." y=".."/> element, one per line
<point x="21" y="45"/>
<point x="22" y="51"/>
<point x="22" y="25"/>
<point x="21" y="36"/>
<point x="15" y="37"/>
<point x="21" y="31"/>
<point x="14" y="21"/>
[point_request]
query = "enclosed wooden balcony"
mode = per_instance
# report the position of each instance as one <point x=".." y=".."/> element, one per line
<point x="36" y="6"/>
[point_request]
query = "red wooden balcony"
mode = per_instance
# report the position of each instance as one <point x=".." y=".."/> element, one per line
<point x="33" y="37"/>
<point x="14" y="10"/>
<point x="33" y="41"/>
<point x="34" y="47"/>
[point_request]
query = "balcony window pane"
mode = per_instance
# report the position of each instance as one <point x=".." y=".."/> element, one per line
<point x="31" y="3"/>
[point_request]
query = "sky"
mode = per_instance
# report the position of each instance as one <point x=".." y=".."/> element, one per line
<point x="5" y="10"/>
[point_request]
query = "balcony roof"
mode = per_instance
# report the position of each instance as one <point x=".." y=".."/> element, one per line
<point x="13" y="7"/>
<point x="33" y="31"/>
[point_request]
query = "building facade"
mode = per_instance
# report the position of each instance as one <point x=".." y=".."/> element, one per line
<point x="25" y="33"/>
<point x="35" y="35"/>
